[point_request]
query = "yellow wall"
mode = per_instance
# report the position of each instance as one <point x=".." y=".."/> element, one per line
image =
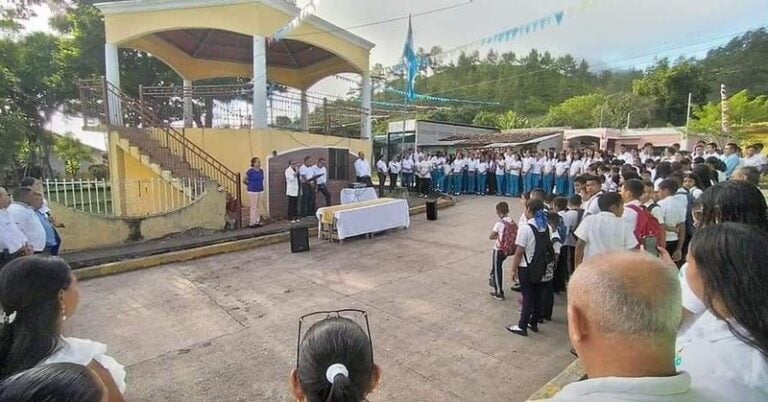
<point x="145" y="192"/>
<point x="247" y="19"/>
<point x="86" y="231"/>
<point x="235" y="148"/>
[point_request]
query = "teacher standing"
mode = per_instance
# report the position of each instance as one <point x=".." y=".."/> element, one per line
<point x="254" y="179"/>
<point x="363" y="170"/>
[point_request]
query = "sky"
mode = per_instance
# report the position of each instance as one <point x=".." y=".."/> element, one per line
<point x="610" y="34"/>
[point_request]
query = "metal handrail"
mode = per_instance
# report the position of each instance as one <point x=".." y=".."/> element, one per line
<point x="153" y="134"/>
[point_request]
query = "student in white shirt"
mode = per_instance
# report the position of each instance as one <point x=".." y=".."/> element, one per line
<point x="548" y="172"/>
<point x="605" y="231"/>
<point x="548" y="280"/>
<point x="458" y="174"/>
<point x="394" y="171"/>
<point x="561" y="175"/>
<point x="754" y="158"/>
<point x="631" y="193"/>
<point x="674" y="208"/>
<point x="13" y="243"/>
<point x="501" y="181"/>
<point x="407" y="169"/>
<point x="471" y="183"/>
<point x="482" y="176"/>
<point x="623" y="309"/>
<point x="22" y="212"/>
<point x="321" y="172"/>
<point x="592" y="191"/>
<point x="726" y="349"/>
<point x="497" y="235"/>
<point x="527" y="162"/>
<point x="447" y="186"/>
<point x="691" y="184"/>
<point x="514" y="169"/>
<point x="537" y="167"/>
<point x="574" y="171"/>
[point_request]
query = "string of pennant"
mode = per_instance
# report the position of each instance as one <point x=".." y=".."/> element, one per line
<point x="429" y="98"/>
<point x="552" y="20"/>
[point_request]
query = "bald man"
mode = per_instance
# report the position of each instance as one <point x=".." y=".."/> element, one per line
<point x="623" y="312"/>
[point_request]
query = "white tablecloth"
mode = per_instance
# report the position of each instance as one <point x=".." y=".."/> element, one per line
<point x="352" y="195"/>
<point x="371" y="218"/>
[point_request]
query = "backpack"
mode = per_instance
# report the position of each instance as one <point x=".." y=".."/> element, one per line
<point x="562" y="230"/>
<point x="689" y="228"/>
<point x="543" y="256"/>
<point x="508" y="238"/>
<point x="647" y="225"/>
<point x="578" y="220"/>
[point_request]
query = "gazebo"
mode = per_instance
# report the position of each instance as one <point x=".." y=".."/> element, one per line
<point x="204" y="39"/>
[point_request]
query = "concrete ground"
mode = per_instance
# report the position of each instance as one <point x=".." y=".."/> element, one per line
<point x="224" y="328"/>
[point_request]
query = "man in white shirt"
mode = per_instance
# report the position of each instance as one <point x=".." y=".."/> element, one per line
<point x="363" y="170"/>
<point x="13" y="243"/>
<point x="394" y="171"/>
<point x="623" y="313"/>
<point x="605" y="231"/>
<point x="407" y="169"/>
<point x="624" y="155"/>
<point x="381" y="172"/>
<point x="646" y="153"/>
<point x="754" y="158"/>
<point x="674" y="207"/>
<point x="307" y="180"/>
<point x="631" y="192"/>
<point x="321" y="172"/>
<point x="22" y="212"/>
<point x="423" y="170"/>
<point x="292" y="190"/>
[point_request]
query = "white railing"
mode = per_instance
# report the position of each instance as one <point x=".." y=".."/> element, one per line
<point x="133" y="197"/>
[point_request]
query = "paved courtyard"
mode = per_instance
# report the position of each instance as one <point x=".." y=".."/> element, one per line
<point x="224" y="328"/>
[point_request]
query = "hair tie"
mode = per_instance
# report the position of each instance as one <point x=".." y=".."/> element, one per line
<point x="334" y="370"/>
<point x="9" y="318"/>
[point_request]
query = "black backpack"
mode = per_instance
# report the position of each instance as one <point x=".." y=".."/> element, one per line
<point x="543" y="256"/>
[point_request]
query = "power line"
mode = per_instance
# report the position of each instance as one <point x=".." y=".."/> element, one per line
<point x="386" y="21"/>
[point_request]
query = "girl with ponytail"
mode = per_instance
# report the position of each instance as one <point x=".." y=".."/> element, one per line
<point x="335" y="361"/>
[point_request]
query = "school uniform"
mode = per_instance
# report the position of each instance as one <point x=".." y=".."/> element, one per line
<point x="547" y="281"/>
<point x="561" y="177"/>
<point x="590" y="206"/>
<point x="565" y="263"/>
<point x="537" y="166"/>
<point x="573" y="172"/>
<point x="514" y="178"/>
<point x="498" y="257"/>
<point x="548" y="175"/>
<point x="407" y="169"/>
<point x="381" y="171"/>
<point x="604" y="232"/>
<point x="526" y="173"/>
<point x="446" y="178"/>
<point x="532" y="292"/>
<point x="674" y="209"/>
<point x="482" y="178"/>
<point x="394" y="171"/>
<point x="471" y="183"/>
<point x="458" y="176"/>
<point x="501" y="181"/>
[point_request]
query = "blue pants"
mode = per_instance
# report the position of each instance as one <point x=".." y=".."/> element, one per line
<point x="500" y="185"/>
<point x="469" y="188"/>
<point x="407" y="180"/>
<point x="514" y="185"/>
<point x="571" y="186"/>
<point x="458" y="183"/>
<point x="482" y="184"/>
<point x="548" y="182"/>
<point x="562" y="185"/>
<point x="526" y="182"/>
<point x="444" y="183"/>
<point x="534" y="180"/>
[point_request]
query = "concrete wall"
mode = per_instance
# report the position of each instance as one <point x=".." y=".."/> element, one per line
<point x="86" y="231"/>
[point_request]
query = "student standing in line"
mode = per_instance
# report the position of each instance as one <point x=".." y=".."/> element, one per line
<point x="547" y="172"/>
<point x="458" y="174"/>
<point x="605" y="231"/>
<point x="561" y="175"/>
<point x="537" y="167"/>
<point x="569" y="219"/>
<point x="502" y="246"/>
<point x="501" y="181"/>
<point x="394" y="171"/>
<point x="515" y="167"/>
<point x="407" y="166"/>
<point x="532" y="257"/>
<point x="447" y="179"/>
<point x="471" y="174"/>
<point x="674" y="209"/>
<point x="254" y="179"/>
<point x="547" y="281"/>
<point x="482" y="176"/>
<point x="527" y="162"/>
<point x="574" y="171"/>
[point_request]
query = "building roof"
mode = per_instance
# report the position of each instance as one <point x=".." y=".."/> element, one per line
<point x="513" y="137"/>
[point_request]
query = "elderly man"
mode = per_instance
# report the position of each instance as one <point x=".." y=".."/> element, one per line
<point x="13" y="243"/>
<point x="22" y="212"/>
<point x="363" y="170"/>
<point x="623" y="313"/>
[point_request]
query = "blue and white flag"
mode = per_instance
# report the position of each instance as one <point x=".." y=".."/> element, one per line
<point x="411" y="63"/>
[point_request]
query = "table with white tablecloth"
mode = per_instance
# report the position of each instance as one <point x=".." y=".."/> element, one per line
<point x="366" y="218"/>
<point x="352" y="195"/>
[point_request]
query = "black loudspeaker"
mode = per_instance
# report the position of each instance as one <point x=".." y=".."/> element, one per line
<point x="299" y="239"/>
<point x="432" y="210"/>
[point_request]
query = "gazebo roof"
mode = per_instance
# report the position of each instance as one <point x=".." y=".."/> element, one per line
<point x="214" y="38"/>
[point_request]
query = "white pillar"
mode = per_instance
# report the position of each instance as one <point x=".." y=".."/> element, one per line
<point x="259" y="82"/>
<point x="112" y="73"/>
<point x="365" y="126"/>
<point x="187" y="103"/>
<point x="304" y="111"/>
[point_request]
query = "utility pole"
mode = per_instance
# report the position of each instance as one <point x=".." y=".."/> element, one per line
<point x="688" y="113"/>
<point x="629" y="114"/>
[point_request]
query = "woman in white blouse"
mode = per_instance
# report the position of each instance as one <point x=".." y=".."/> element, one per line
<point x="37" y="295"/>
<point x="726" y="349"/>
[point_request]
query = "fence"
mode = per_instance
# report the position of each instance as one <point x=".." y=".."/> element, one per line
<point x="135" y="198"/>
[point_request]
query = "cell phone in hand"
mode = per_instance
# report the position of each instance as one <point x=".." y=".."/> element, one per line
<point x="649" y="243"/>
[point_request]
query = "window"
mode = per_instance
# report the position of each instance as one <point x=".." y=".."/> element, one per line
<point x="338" y="164"/>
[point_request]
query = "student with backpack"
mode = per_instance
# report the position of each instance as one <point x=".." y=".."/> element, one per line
<point x="649" y="202"/>
<point x="504" y="234"/>
<point x="532" y="258"/>
<point x="642" y="223"/>
<point x="570" y="215"/>
<point x="605" y="231"/>
<point x="547" y="281"/>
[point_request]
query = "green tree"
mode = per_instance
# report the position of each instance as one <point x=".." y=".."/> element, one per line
<point x="742" y="112"/>
<point x="512" y="120"/>
<point x="669" y="86"/>
<point x="617" y="108"/>
<point x="577" y="112"/>
<point x="73" y="153"/>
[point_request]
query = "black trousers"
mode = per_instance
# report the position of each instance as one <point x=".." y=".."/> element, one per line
<point x="671" y="248"/>
<point x="492" y="184"/>
<point x="382" y="183"/>
<point x="547" y="299"/>
<point x="392" y="182"/>
<point x="531" y="299"/>
<point x="293" y="203"/>
<point x="323" y="189"/>
<point x="307" y="200"/>
<point x="564" y="268"/>
<point x="497" y="273"/>
<point x="423" y="185"/>
<point x="366" y="180"/>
